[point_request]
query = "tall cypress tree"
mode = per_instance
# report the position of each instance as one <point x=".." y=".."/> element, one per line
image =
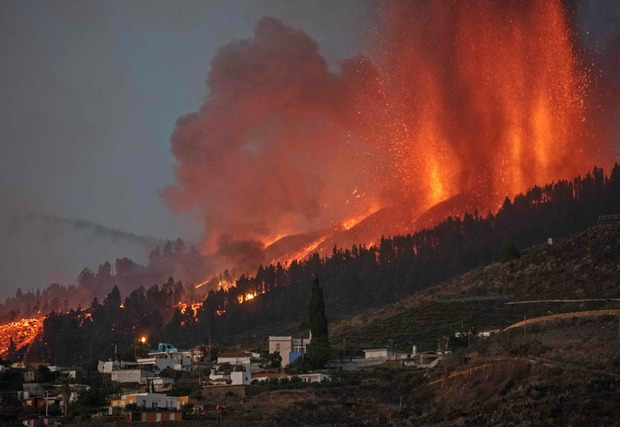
<point x="318" y="350"/>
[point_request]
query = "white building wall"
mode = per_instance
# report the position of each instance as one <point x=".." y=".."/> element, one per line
<point x="241" y="378"/>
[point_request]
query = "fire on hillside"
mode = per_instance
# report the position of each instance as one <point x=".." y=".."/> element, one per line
<point x="21" y="333"/>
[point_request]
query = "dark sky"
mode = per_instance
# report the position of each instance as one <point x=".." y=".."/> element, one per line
<point x="90" y="93"/>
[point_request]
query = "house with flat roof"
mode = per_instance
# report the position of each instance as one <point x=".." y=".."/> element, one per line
<point x="148" y="401"/>
<point x="290" y="348"/>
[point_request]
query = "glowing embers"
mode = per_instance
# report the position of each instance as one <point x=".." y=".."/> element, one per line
<point x="248" y="296"/>
<point x="193" y="307"/>
<point x="22" y="333"/>
<point x="84" y="316"/>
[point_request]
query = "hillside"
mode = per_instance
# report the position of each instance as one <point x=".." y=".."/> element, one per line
<point x="582" y="268"/>
<point x="432" y="265"/>
<point x="560" y="372"/>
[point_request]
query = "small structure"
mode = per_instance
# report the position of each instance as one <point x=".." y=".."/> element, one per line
<point x="29" y="376"/>
<point x="148" y="401"/>
<point x="426" y="360"/>
<point x="240" y="378"/>
<point x="167" y="356"/>
<point x="384" y="354"/>
<point x="161" y="384"/>
<point x="198" y="353"/>
<point x="317" y="377"/>
<point x="290" y="348"/>
<point x="35" y="402"/>
<point x="247" y="359"/>
<point x="139" y="375"/>
<point x="154" y="416"/>
<point x="486" y="333"/>
<point x="306" y="378"/>
<point x="35" y="389"/>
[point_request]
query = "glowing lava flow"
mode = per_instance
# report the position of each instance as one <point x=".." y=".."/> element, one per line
<point x="22" y="332"/>
<point x="483" y="98"/>
<point x="480" y="99"/>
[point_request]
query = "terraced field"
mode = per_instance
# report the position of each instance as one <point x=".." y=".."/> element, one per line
<point x="423" y="325"/>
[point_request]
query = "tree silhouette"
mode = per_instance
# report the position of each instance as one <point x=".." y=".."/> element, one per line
<point x="318" y="351"/>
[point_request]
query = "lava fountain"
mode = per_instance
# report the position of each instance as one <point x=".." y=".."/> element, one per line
<point x="483" y="99"/>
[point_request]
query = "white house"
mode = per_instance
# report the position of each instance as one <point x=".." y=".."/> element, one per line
<point x="241" y="378"/>
<point x="384" y="354"/>
<point x="148" y="401"/>
<point x="180" y="363"/>
<point x="167" y="356"/>
<point x="242" y="357"/>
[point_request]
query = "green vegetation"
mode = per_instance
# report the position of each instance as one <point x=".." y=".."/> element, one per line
<point x="270" y="360"/>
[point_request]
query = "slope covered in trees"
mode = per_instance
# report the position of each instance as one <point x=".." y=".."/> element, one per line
<point x="124" y="273"/>
<point x="352" y="279"/>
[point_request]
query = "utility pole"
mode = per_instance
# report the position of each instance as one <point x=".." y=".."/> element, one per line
<point x="344" y="348"/>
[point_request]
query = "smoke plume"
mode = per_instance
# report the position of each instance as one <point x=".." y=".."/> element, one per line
<point x="273" y="150"/>
<point x="479" y="98"/>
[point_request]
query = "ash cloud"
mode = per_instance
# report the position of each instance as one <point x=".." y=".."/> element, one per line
<point x="273" y="150"/>
<point x="483" y="99"/>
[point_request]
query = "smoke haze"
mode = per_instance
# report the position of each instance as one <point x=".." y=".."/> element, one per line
<point x="39" y="245"/>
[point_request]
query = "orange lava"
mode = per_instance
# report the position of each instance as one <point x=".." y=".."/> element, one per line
<point x="483" y="98"/>
<point x="23" y="333"/>
<point x="478" y="99"/>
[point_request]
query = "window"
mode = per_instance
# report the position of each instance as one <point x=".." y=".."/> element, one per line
<point x="277" y="347"/>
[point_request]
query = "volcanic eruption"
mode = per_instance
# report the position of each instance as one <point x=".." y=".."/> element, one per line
<point x="460" y="103"/>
